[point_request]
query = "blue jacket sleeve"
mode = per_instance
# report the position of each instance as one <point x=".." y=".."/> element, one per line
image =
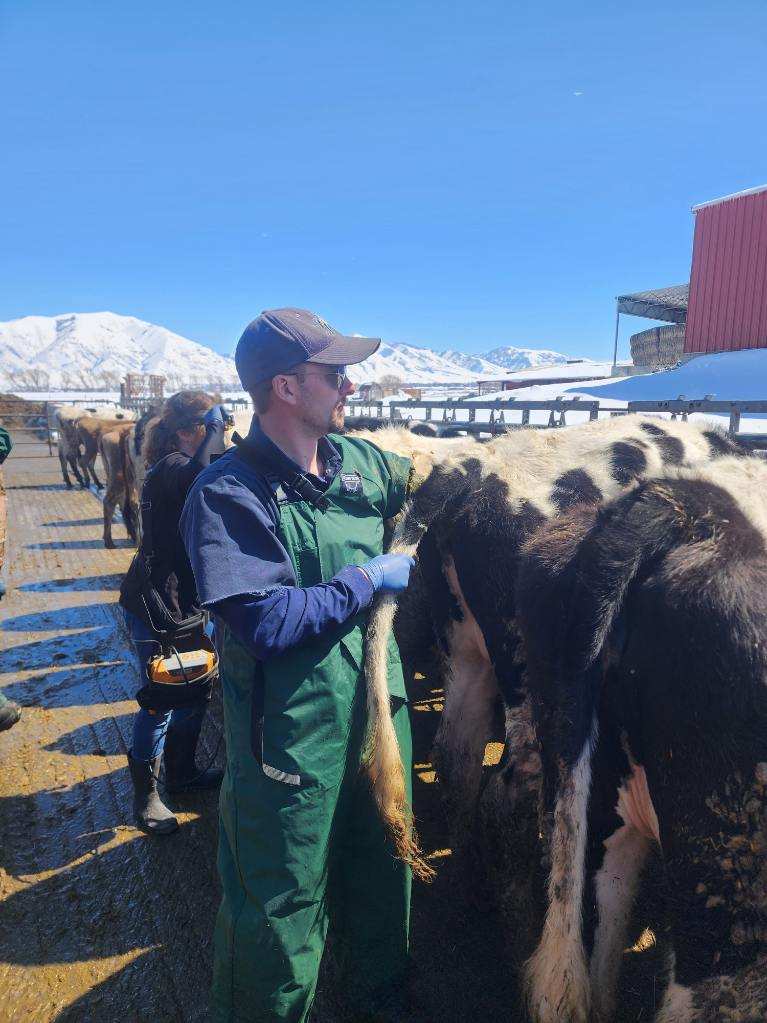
<point x="274" y="622"/>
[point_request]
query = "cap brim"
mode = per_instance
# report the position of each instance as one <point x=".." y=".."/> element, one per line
<point x="346" y="351"/>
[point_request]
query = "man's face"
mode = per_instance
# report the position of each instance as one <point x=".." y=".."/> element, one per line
<point x="323" y="392"/>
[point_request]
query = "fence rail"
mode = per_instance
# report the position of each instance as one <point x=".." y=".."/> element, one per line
<point x="28" y="423"/>
<point x="511" y="414"/>
<point x="32" y="422"/>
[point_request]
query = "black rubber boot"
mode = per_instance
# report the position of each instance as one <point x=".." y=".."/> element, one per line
<point x="149" y="811"/>
<point x="10" y="713"/>
<point x="181" y="771"/>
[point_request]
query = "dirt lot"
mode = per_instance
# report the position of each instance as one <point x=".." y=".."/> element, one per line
<point x="101" y="923"/>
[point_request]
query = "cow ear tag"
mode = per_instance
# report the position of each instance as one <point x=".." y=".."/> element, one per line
<point x="351" y="483"/>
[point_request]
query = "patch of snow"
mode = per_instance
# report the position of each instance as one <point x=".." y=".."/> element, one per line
<point x="726" y="376"/>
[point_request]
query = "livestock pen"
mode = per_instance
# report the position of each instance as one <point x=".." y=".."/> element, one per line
<point x="100" y="917"/>
<point x="101" y="922"/>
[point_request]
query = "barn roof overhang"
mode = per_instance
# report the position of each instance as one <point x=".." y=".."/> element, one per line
<point x="666" y="304"/>
<point x="728" y="198"/>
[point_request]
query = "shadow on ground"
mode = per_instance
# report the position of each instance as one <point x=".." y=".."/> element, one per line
<point x="76" y="545"/>
<point x="67" y="523"/>
<point x="86" y="583"/>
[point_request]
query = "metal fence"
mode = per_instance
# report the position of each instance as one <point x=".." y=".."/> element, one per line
<point x="28" y="423"/>
<point x="510" y="414"/>
<point x="31" y="423"/>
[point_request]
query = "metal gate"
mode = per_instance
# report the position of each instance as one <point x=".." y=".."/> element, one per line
<point x="30" y="425"/>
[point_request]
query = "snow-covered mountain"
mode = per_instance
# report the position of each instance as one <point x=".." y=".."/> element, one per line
<point x="424" y="366"/>
<point x="94" y="351"/>
<point x="524" y="358"/>
<point x="413" y="366"/>
<point x="478" y="365"/>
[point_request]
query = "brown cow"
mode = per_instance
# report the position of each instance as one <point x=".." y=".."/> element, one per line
<point x="90" y="429"/>
<point x="113" y="448"/>
<point x="67" y="418"/>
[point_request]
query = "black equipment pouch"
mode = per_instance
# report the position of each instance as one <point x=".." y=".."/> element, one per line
<point x="175" y="636"/>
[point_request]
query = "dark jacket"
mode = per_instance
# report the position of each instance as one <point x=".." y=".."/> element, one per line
<point x="167" y="483"/>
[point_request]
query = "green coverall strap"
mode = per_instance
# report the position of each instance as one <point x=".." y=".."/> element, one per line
<point x="300" y="836"/>
<point x="5" y="444"/>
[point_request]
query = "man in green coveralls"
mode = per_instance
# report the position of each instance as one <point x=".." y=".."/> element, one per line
<point x="285" y="535"/>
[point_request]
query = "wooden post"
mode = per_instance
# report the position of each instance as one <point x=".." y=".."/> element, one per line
<point x="48" y="428"/>
<point x="615" y="344"/>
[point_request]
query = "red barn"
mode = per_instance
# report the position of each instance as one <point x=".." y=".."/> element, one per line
<point x="727" y="308"/>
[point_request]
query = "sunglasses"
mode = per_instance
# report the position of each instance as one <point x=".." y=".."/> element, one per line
<point x="337" y="377"/>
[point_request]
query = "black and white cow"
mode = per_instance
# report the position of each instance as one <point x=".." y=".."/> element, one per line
<point x="644" y="626"/>
<point x="468" y="521"/>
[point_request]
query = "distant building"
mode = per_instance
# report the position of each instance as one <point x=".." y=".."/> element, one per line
<point x="377" y="392"/>
<point x="140" y="387"/>
<point x="724" y="307"/>
<point x="540" y="375"/>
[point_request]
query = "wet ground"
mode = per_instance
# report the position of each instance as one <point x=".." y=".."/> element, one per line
<point x="99" y="922"/>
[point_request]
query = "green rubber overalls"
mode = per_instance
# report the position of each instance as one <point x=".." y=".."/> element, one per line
<point x="301" y="843"/>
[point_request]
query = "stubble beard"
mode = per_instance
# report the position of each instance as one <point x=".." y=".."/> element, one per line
<point x="332" y="424"/>
<point x="337" y="417"/>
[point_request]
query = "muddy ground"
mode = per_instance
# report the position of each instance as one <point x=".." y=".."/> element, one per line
<point x="100" y="922"/>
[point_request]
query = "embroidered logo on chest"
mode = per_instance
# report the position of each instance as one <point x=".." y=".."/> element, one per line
<point x="351" y="483"/>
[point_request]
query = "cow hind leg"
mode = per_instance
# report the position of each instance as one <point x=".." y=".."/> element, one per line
<point x="82" y="463"/>
<point x="464" y="731"/>
<point x="471" y="691"/>
<point x="556" y="975"/>
<point x="76" y="471"/>
<point x="130" y="518"/>
<point x="677" y="1005"/>
<point x="110" y="503"/>
<point x="616" y="885"/>
<point x="63" y="464"/>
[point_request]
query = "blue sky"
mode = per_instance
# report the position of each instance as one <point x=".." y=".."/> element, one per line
<point x="447" y="174"/>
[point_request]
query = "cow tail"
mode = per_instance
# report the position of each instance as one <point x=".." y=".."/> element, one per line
<point x="382" y="758"/>
<point x="128" y="503"/>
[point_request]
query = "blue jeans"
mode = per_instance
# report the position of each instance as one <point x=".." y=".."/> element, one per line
<point x="150" y="727"/>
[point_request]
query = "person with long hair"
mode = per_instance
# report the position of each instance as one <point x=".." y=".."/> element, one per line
<point x="179" y="444"/>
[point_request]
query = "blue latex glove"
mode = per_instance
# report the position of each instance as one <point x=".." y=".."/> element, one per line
<point x="389" y="572"/>
<point x="214" y="416"/>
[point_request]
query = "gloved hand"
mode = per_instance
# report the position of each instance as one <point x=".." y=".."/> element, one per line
<point x="389" y="572"/>
<point x="214" y="415"/>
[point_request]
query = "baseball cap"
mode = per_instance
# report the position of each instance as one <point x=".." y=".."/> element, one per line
<point x="281" y="338"/>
